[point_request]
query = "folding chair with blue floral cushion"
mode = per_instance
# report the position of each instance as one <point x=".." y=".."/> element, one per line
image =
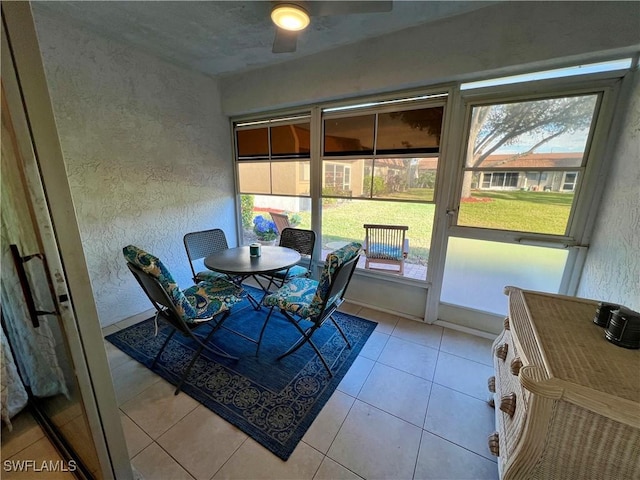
<point x="305" y="299"/>
<point x="184" y="310"/>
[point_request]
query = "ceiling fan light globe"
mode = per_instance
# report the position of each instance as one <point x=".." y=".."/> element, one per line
<point x="290" y="17"/>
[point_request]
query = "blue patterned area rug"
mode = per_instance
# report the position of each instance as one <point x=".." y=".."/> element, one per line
<point x="273" y="401"/>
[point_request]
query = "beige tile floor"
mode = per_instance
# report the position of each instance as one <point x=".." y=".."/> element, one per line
<point x="412" y="406"/>
<point x="27" y="442"/>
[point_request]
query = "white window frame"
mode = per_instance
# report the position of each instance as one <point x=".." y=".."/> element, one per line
<point x="588" y="187"/>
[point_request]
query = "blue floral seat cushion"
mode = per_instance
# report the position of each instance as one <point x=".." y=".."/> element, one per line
<point x="211" y="298"/>
<point x="209" y="276"/>
<point x="295" y="271"/>
<point x="385" y="252"/>
<point x="295" y="296"/>
<point x="305" y="296"/>
<point x="194" y="309"/>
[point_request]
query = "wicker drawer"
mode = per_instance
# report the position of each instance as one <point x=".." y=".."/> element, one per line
<point x="575" y="411"/>
<point x="510" y="399"/>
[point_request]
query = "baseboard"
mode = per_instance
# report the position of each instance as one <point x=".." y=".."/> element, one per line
<point x="469" y="320"/>
<point x="385" y="310"/>
<point x="461" y="328"/>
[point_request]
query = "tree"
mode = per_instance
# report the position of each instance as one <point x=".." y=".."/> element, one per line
<point x="538" y="121"/>
<point x="424" y="119"/>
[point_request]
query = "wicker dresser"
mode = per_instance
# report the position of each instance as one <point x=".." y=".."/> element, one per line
<point x="567" y="401"/>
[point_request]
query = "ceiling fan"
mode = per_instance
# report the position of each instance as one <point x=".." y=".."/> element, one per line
<point x="292" y="17"/>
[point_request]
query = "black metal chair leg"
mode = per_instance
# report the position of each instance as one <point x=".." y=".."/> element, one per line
<point x="186" y="373"/>
<point x="202" y="346"/>
<point x="155" y="360"/>
<point x="264" y="326"/>
<point x="306" y="337"/>
<point x="214" y="348"/>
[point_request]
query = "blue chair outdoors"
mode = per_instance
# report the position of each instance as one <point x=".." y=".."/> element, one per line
<point x="306" y="300"/>
<point x="386" y="244"/>
<point x="185" y="310"/>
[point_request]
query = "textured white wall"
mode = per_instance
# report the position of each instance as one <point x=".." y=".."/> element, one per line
<point x="495" y="39"/>
<point x="148" y="156"/>
<point x="612" y="269"/>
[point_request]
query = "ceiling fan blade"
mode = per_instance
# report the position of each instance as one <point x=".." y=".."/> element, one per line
<point x="327" y="8"/>
<point x="285" y="41"/>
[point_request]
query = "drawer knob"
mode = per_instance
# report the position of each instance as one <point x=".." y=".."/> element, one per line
<point x="506" y="324"/>
<point x="508" y="404"/>
<point x="491" y="402"/>
<point x="491" y="383"/>
<point x="494" y="444"/>
<point x="501" y="351"/>
<point x="516" y="364"/>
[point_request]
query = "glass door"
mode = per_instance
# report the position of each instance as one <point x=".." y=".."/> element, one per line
<point x="44" y="376"/>
<point x="45" y="305"/>
<point x="524" y="190"/>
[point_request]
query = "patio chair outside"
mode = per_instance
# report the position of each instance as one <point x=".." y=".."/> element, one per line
<point x="185" y="310"/>
<point x="200" y="245"/>
<point x="387" y="245"/>
<point x="281" y="220"/>
<point x="305" y="299"/>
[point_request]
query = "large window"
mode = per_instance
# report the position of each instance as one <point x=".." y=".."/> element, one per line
<point x="377" y="164"/>
<point x="380" y="165"/>
<point x="523" y="163"/>
<point x="515" y="199"/>
<point x="273" y="156"/>
<point x="273" y="164"/>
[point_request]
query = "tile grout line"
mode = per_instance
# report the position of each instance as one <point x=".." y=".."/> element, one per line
<point x="338" y="431"/>
<point x="461" y="446"/>
<point x="168" y="454"/>
<point x="231" y="456"/>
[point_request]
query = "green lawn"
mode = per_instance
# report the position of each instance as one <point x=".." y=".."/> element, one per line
<point x="541" y="212"/>
<point x="343" y="221"/>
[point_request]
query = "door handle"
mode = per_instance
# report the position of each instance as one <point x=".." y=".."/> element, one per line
<point x="19" y="262"/>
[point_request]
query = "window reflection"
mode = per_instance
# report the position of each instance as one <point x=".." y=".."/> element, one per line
<point x="291" y="140"/>
<point x="253" y="143"/>
<point x="349" y="135"/>
<point x="409" y="131"/>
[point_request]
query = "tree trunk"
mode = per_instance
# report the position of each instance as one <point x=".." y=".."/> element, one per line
<point x="466" y="184"/>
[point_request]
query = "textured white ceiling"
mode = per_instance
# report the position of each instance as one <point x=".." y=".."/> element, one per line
<point x="225" y="37"/>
